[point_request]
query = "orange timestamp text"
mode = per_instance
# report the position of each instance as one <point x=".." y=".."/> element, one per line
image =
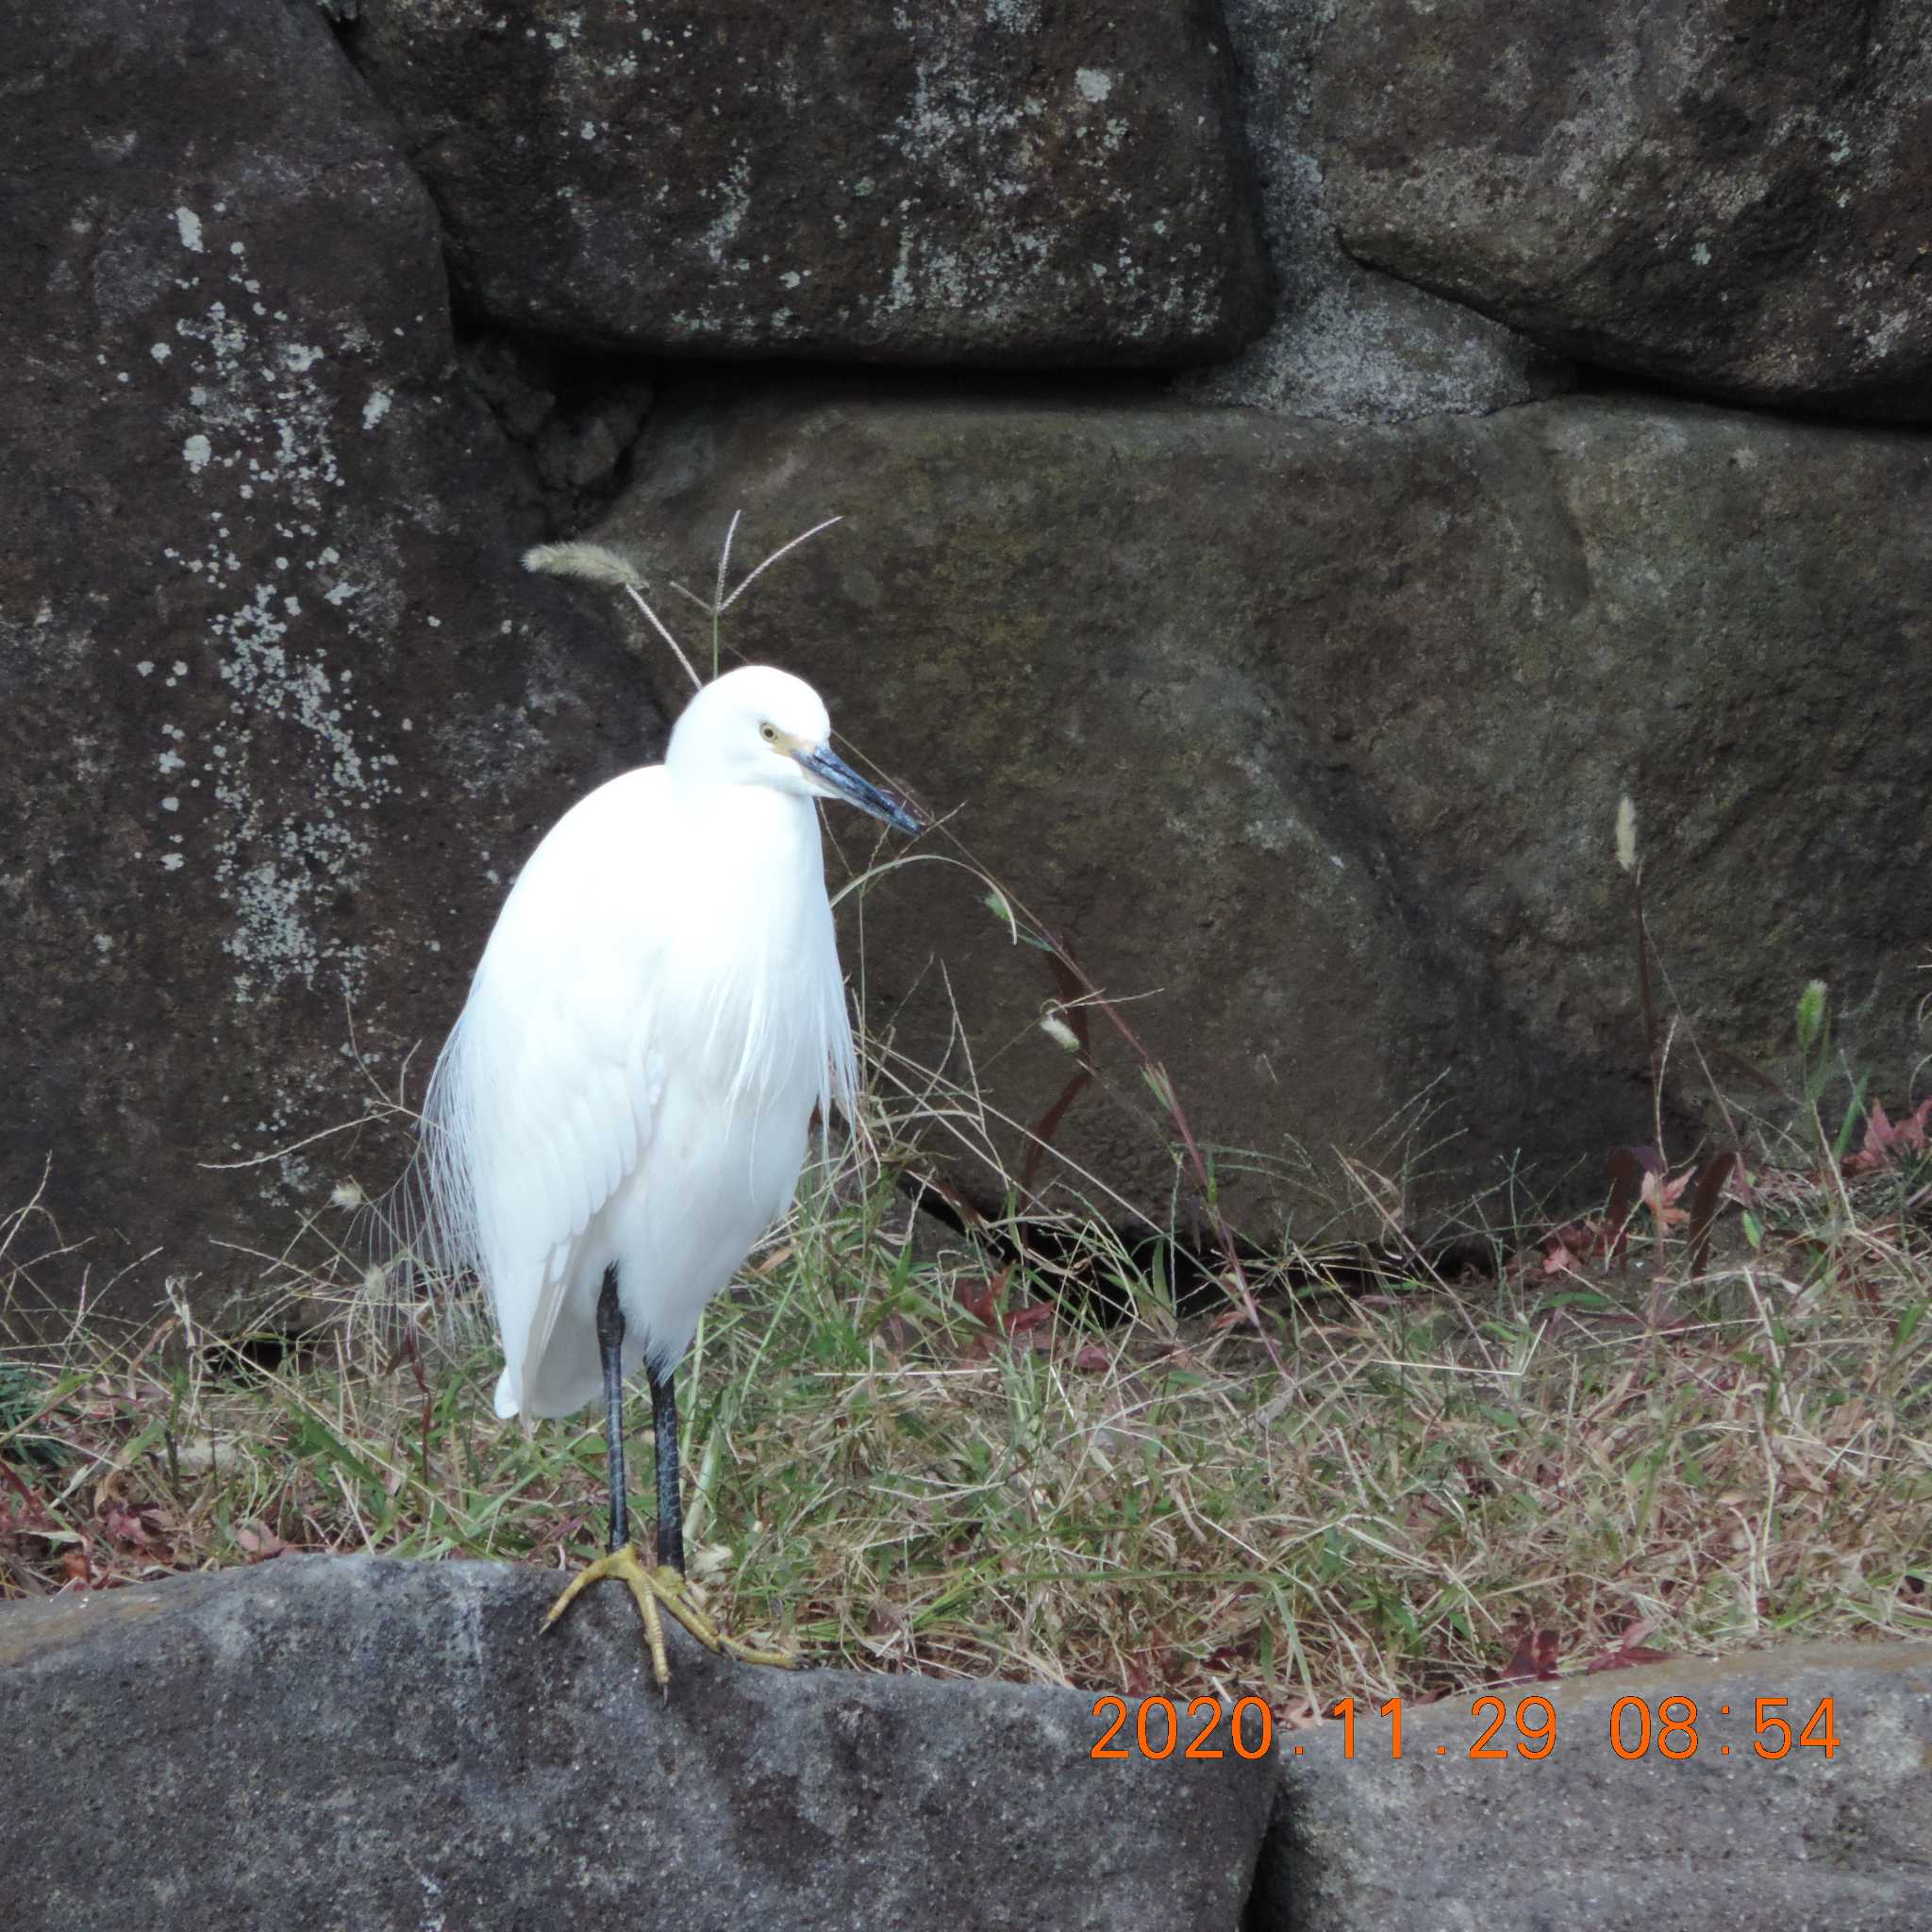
<point x="1671" y="1728"/>
<point x="1250" y="1729"/>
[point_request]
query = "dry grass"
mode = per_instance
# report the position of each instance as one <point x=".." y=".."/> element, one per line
<point x="893" y="1459"/>
<point x="1607" y="1455"/>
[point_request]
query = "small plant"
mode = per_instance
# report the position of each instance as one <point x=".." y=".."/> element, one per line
<point x="1813" y="1022"/>
<point x="27" y="1396"/>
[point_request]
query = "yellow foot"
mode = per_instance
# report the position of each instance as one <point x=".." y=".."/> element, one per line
<point x="662" y="1588"/>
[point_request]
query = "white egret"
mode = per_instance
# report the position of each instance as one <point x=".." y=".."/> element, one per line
<point x="623" y="1108"/>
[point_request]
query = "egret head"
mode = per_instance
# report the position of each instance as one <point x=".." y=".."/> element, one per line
<point x="762" y="726"/>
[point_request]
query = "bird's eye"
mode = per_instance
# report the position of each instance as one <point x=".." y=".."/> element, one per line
<point x="768" y="733"/>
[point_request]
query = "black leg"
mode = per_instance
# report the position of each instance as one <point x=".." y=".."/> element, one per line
<point x="670" y="1504"/>
<point x="610" y="1347"/>
<point x="657" y="1594"/>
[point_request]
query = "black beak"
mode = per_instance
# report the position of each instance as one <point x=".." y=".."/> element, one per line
<point x="825" y="765"/>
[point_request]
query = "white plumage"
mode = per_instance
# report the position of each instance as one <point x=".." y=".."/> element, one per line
<point x="656" y="1013"/>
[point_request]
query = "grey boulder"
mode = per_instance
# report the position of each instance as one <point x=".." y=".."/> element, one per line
<point x="1005" y="184"/>
<point x="1714" y="1833"/>
<point x="1313" y="736"/>
<point x="1727" y="197"/>
<point x="323" y="1741"/>
<point x="279" y="716"/>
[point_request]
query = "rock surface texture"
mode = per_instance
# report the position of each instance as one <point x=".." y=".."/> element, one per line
<point x="1012" y="184"/>
<point x="270" y="681"/>
<point x="1347" y="341"/>
<point x="1313" y="736"/>
<point x="1729" y="195"/>
<point x="1713" y="1834"/>
<point x="358" y="1741"/>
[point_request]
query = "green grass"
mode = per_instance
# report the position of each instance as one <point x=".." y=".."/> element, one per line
<point x="875" y="1474"/>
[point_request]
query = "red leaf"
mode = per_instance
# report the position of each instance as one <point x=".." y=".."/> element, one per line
<point x="1564" y="1250"/>
<point x="1712" y="1179"/>
<point x="1879" y="1135"/>
<point x="1628" y="1660"/>
<point x="35" y="1513"/>
<point x="1030" y="1327"/>
<point x="1884" y="1142"/>
<point x="125" y="1527"/>
<point x="1660" y="1195"/>
<point x="1535" y="1656"/>
<point x="1629" y="1652"/>
<point x="982" y="1304"/>
<point x="1627" y="1168"/>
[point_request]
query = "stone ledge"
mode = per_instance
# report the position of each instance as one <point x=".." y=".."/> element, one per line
<point x="362" y="1741"/>
<point x="366" y="1742"/>
<point x="1586" y="1838"/>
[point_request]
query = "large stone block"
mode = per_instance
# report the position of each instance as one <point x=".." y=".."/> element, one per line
<point x="1313" y="736"/>
<point x="330" y="1741"/>
<point x="1009" y="184"/>
<point x="280" y="713"/>
<point x="1723" y="1824"/>
<point x="1729" y="194"/>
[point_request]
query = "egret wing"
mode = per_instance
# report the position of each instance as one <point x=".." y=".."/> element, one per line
<point x="546" y="1099"/>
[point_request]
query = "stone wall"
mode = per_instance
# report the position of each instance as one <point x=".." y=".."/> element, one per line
<point x="1301" y="465"/>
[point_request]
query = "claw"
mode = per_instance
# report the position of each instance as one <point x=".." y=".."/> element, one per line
<point x="656" y="1590"/>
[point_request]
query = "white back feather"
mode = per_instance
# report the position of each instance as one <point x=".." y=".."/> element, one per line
<point x="666" y="930"/>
